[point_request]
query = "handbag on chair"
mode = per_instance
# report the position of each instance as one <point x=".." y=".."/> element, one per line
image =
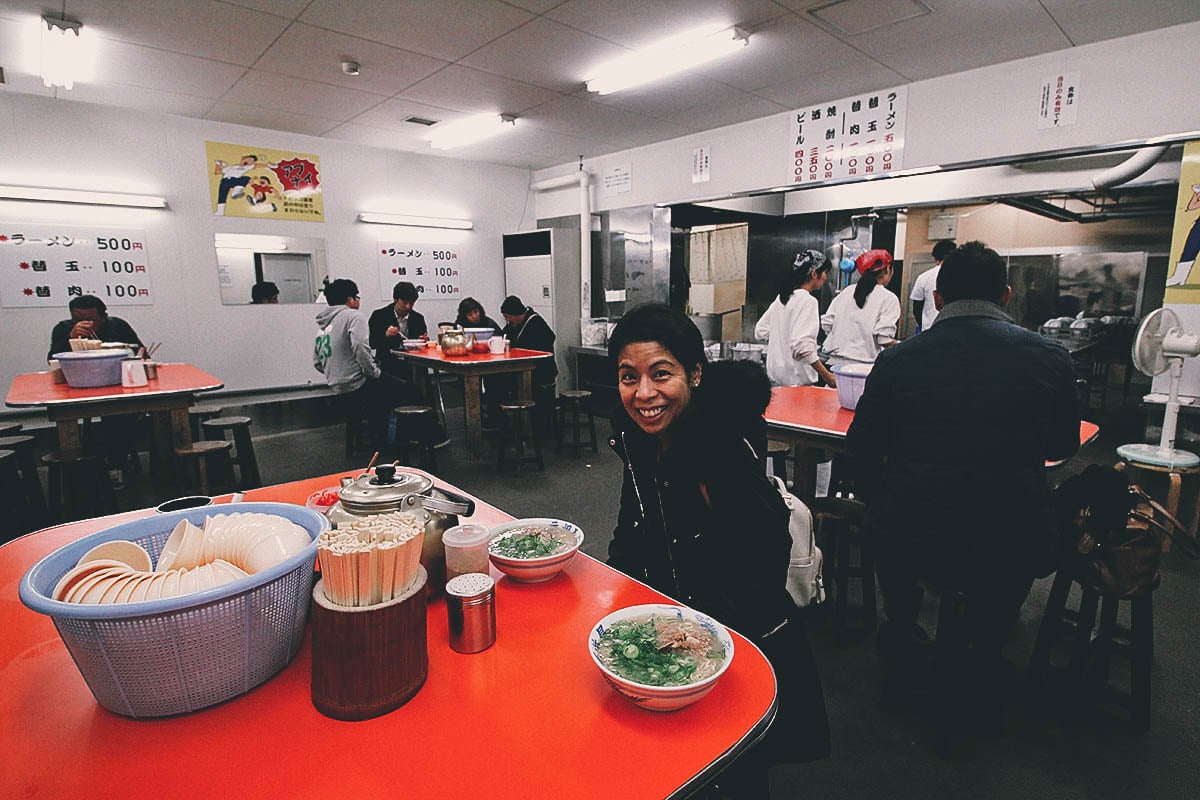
<point x="1113" y="531"/>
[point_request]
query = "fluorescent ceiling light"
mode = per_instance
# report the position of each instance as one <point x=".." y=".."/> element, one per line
<point x="67" y="55"/>
<point x="416" y="222"/>
<point x="81" y="196"/>
<point x="668" y="57"/>
<point x="468" y="130"/>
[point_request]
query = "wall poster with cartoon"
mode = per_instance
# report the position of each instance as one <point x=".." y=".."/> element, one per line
<point x="246" y="181"/>
<point x="1183" y="280"/>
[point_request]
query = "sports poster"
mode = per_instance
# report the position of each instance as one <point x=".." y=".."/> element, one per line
<point x="47" y="266"/>
<point x="1183" y="280"/>
<point x="850" y="138"/>
<point x="246" y="181"/>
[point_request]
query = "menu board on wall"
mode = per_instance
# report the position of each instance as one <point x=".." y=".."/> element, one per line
<point x="433" y="268"/>
<point x="855" y="137"/>
<point x="46" y="266"/>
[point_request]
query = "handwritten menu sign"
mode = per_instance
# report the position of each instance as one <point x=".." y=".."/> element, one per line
<point x="856" y="137"/>
<point x="46" y="266"/>
<point x="433" y="268"/>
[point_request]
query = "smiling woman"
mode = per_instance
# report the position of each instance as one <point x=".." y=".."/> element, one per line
<point x="295" y="265"/>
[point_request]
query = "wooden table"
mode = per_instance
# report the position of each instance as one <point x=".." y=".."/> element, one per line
<point x="812" y="419"/>
<point x="166" y="399"/>
<point x="472" y="367"/>
<point x="529" y="717"/>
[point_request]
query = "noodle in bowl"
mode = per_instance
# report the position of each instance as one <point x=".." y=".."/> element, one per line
<point x="690" y="653"/>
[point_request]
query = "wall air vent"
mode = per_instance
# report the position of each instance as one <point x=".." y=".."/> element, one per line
<point x="420" y="121"/>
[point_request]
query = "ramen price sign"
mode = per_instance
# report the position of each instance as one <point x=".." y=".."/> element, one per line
<point x="433" y="268"/>
<point x="45" y="266"/>
<point x="856" y="137"/>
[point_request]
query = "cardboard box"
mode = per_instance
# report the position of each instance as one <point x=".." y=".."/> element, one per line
<point x="713" y="298"/>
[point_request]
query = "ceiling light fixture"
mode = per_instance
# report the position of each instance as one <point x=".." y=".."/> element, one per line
<point x="66" y="53"/>
<point x="468" y="130"/>
<point x="82" y="197"/>
<point x="415" y="221"/>
<point x="667" y="57"/>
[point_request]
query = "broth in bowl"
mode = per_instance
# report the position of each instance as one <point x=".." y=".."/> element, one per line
<point x="532" y="541"/>
<point x="658" y="650"/>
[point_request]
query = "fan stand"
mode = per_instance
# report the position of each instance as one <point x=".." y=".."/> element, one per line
<point x="1164" y="453"/>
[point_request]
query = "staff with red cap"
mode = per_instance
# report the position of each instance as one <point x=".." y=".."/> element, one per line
<point x="862" y="320"/>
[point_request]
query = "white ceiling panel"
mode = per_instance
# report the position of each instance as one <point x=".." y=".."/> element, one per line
<point x="204" y="28"/>
<point x="276" y="63"/>
<point x="271" y="118"/>
<point x="1088" y="21"/>
<point x="544" y="53"/>
<point x="135" y="65"/>
<point x="446" y="30"/>
<point x="283" y="92"/>
<point x="470" y="90"/>
<point x="316" y="54"/>
<point x="784" y="49"/>
<point x="641" y="24"/>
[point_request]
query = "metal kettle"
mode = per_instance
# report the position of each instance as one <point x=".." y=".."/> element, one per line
<point x="455" y="342"/>
<point x="388" y="490"/>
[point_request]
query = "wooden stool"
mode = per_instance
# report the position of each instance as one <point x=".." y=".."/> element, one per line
<point x="31" y="484"/>
<point x="517" y="433"/>
<point x="412" y="425"/>
<point x="836" y="520"/>
<point x="777" y="456"/>
<point x="575" y="417"/>
<point x="18" y="521"/>
<point x="353" y="412"/>
<point x="197" y="415"/>
<point x="79" y="476"/>
<point x="1175" y="475"/>
<point x="199" y="453"/>
<point x="243" y="447"/>
<point x="1136" y="642"/>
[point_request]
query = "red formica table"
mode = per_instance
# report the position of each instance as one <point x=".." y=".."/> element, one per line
<point x="472" y="367"/>
<point x="166" y="398"/>
<point x="812" y="419"/>
<point x="529" y="717"/>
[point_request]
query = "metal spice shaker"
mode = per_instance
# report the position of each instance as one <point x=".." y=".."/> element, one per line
<point x="471" y="604"/>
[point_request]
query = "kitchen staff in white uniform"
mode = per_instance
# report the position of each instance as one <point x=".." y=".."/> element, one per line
<point x="791" y="324"/>
<point x="862" y="319"/>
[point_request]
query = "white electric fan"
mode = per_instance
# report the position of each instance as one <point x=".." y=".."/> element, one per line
<point x="1161" y="344"/>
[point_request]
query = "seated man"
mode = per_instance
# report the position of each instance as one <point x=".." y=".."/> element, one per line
<point x="392" y="324"/>
<point x="948" y="445"/>
<point x="264" y="292"/>
<point x="525" y="329"/>
<point x="90" y="320"/>
<point x="343" y="354"/>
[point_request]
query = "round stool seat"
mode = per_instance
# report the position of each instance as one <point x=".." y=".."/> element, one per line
<point x="225" y="423"/>
<point x="204" y="448"/>
<point x="413" y="411"/>
<point x="516" y="406"/>
<point x="574" y="394"/>
<point x="9" y="428"/>
<point x="1152" y="455"/>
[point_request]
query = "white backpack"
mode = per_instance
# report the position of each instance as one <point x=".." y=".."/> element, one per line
<point x="804" y="581"/>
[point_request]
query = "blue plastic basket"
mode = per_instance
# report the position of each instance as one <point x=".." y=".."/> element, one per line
<point x="170" y="656"/>
<point x="89" y="368"/>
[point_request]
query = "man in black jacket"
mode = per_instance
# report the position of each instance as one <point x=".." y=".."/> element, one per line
<point x="391" y="325"/>
<point x="949" y="444"/>
<point x="528" y="330"/>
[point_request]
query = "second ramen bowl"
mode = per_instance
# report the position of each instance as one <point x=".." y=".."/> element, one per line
<point x="661" y="698"/>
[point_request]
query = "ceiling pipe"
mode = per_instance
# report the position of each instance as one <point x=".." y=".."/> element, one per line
<point x="1130" y="168"/>
<point x="583" y="179"/>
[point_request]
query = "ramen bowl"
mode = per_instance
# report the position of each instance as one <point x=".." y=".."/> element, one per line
<point x="677" y="623"/>
<point x="534" y="549"/>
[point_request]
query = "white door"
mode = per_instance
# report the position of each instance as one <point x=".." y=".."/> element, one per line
<point x="531" y="278"/>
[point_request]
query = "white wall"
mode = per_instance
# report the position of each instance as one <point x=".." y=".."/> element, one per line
<point x="45" y="142"/>
<point x="1132" y="89"/>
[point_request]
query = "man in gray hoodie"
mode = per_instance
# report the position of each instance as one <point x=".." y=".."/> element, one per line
<point x="343" y="354"/>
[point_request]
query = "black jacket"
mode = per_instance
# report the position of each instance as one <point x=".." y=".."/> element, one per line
<point x="113" y="329"/>
<point x="535" y="334"/>
<point x="728" y="555"/>
<point x="380" y="320"/>
<point x="949" y="442"/>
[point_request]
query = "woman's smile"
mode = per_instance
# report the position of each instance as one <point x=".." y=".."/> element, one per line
<point x="655" y="388"/>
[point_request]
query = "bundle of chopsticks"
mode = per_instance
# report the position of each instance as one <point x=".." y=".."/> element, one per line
<point x="371" y="560"/>
<point x="148" y="353"/>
